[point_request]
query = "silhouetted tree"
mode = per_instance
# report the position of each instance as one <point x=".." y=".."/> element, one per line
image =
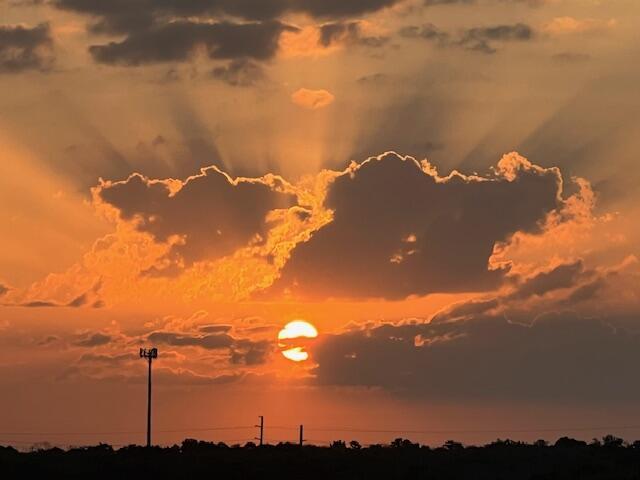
<point x="611" y="441"/>
<point x="453" y="445"/>
<point x="404" y="443"/>
<point x="566" y="442"/>
<point x="338" y="445"/>
<point x="568" y="458"/>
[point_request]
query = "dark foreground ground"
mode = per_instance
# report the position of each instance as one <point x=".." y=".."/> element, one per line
<point x="566" y="459"/>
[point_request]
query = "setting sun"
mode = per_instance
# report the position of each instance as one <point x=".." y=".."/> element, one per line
<point x="298" y="329"/>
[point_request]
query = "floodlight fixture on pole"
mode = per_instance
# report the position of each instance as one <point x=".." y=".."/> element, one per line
<point x="150" y="354"/>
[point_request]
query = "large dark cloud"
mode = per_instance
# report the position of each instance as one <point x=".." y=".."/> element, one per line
<point x="171" y="30"/>
<point x="23" y="48"/>
<point x="177" y="41"/>
<point x="211" y="213"/>
<point x="558" y="357"/>
<point x="125" y="15"/>
<point x="399" y="230"/>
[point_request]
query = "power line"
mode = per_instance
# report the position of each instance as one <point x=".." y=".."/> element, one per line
<point x="532" y="430"/>
<point x="125" y="432"/>
<point x="329" y="429"/>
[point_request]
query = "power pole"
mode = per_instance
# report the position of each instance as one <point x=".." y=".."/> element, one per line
<point x="301" y="434"/>
<point x="261" y="427"/>
<point x="150" y="355"/>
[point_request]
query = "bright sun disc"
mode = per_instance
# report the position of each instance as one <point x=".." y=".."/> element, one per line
<point x="298" y="329"/>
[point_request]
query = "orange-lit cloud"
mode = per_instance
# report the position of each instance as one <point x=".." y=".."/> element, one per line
<point x="572" y="25"/>
<point x="389" y="227"/>
<point x="312" y="99"/>
<point x="305" y="42"/>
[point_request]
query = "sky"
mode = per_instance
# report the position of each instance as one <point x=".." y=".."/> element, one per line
<point x="447" y="190"/>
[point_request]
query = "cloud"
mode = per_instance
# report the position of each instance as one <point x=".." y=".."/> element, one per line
<point x="48" y="340"/>
<point x="557" y="335"/>
<point x="173" y="30"/>
<point x="389" y="227"/>
<point x="374" y="79"/>
<point x="571" y="57"/>
<point x="399" y="229"/>
<point x="242" y="351"/>
<point x="562" y="276"/>
<point x="312" y="99"/>
<point x="214" y="328"/>
<point x="557" y="357"/>
<point x="604" y="292"/>
<point x="181" y="376"/>
<point x="239" y="73"/>
<point x="23" y="48"/>
<point x="90" y="298"/>
<point x="4" y="289"/>
<point x="478" y="39"/>
<point x="247" y="352"/>
<point x="204" y="217"/>
<point x="432" y="3"/>
<point x="531" y="3"/>
<point x="94" y="340"/>
<point x="209" y="342"/>
<point x="179" y="41"/>
<point x="349" y="33"/>
<point x="104" y="359"/>
<point x="119" y="16"/>
<point x="428" y="32"/>
<point x="571" y="25"/>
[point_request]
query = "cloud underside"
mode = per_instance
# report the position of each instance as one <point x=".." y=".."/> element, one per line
<point x="173" y="31"/>
<point x="178" y="41"/>
<point x="559" y="357"/>
<point x="557" y="336"/>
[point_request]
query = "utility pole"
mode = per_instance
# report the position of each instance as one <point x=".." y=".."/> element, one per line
<point x="150" y="355"/>
<point x="261" y="427"/>
<point x="301" y="434"/>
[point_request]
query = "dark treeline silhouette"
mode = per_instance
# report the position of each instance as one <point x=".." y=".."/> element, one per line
<point x="607" y="458"/>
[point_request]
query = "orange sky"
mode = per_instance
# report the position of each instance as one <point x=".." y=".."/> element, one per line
<point x="447" y="192"/>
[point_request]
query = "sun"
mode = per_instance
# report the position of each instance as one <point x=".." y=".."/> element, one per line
<point x="292" y="337"/>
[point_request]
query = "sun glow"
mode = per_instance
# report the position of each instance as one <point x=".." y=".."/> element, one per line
<point x="291" y="335"/>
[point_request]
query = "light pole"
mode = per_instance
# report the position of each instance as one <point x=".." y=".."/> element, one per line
<point x="261" y="427"/>
<point x="150" y="354"/>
